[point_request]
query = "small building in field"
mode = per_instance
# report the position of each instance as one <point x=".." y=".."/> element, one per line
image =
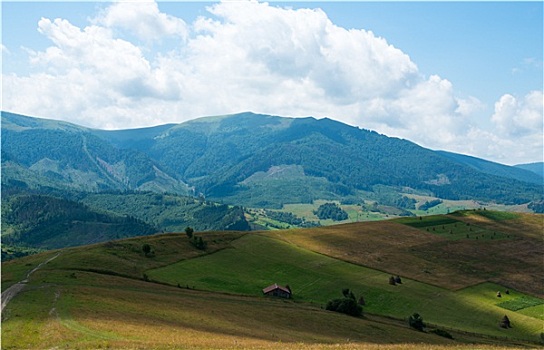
<point x="277" y="291"/>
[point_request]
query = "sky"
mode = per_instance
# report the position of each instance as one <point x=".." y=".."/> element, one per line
<point x="465" y="77"/>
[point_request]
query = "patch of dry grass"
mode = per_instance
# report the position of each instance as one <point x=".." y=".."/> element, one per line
<point x="414" y="253"/>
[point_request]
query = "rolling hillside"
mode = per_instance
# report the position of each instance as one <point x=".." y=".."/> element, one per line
<point x="45" y="222"/>
<point x="32" y="221"/>
<point x="115" y="295"/>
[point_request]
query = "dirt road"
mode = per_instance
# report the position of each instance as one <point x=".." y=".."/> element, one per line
<point x="12" y="291"/>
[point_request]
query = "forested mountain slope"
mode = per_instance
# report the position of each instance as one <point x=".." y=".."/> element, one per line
<point x="249" y="159"/>
<point x="46" y="153"/>
<point x="236" y="156"/>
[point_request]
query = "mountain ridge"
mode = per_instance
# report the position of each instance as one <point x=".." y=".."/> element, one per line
<point x="215" y="156"/>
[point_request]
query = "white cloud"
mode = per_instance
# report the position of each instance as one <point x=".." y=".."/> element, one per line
<point x="252" y="56"/>
<point x="142" y="19"/>
<point x="5" y="50"/>
<point x="519" y="117"/>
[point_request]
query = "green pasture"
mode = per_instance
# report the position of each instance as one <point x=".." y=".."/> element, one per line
<point x="95" y="311"/>
<point x="256" y="261"/>
<point x="354" y="212"/>
<point x="450" y="228"/>
<point x="14" y="271"/>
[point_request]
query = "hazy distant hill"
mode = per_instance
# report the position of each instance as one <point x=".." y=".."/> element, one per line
<point x="537" y="168"/>
<point x="527" y="173"/>
<point x="253" y="160"/>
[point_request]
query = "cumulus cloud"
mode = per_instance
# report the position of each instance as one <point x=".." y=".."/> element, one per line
<point x="519" y="117"/>
<point x="247" y="56"/>
<point x="142" y="19"/>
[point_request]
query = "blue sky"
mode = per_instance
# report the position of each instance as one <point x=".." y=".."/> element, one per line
<point x="459" y="76"/>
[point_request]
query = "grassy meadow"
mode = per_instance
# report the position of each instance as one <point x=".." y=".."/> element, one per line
<point x="112" y="295"/>
<point x="256" y="261"/>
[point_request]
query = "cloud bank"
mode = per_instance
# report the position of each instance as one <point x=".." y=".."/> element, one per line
<point x="135" y="66"/>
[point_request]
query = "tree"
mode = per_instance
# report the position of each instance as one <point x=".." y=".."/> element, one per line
<point x="398" y="280"/>
<point x="199" y="243"/>
<point x="331" y="211"/>
<point x="415" y="321"/>
<point x="146" y="249"/>
<point x="189" y="231"/>
<point x="347" y="305"/>
<point x="505" y="322"/>
<point x="392" y="281"/>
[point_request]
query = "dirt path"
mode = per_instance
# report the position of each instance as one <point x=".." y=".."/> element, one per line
<point x="12" y="291"/>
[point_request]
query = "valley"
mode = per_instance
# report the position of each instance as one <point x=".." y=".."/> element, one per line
<point x="161" y="236"/>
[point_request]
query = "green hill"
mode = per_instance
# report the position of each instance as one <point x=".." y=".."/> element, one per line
<point x="115" y="295"/>
<point x="46" y="222"/>
<point x="32" y="221"/>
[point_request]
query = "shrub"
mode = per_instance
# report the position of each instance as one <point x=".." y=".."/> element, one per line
<point x="392" y="281"/>
<point x="415" y="321"/>
<point x="505" y="322"/>
<point x="442" y="333"/>
<point x="146" y="248"/>
<point x="346" y="306"/>
<point x="199" y="243"/>
<point x="189" y="231"/>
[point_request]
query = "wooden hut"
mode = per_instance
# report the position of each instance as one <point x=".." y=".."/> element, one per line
<point x="277" y="291"/>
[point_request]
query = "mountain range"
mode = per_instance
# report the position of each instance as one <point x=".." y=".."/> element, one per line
<point x="251" y="160"/>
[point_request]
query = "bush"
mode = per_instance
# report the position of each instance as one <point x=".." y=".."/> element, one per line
<point x="346" y="306"/>
<point x="442" y="333"/>
<point x="331" y="211"/>
<point x="199" y="243"/>
<point x="146" y="248"/>
<point x="505" y="322"/>
<point x="415" y="321"/>
<point x="189" y="231"/>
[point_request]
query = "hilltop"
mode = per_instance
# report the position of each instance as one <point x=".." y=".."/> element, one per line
<point x="115" y="295"/>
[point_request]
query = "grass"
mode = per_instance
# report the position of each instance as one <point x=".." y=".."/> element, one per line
<point x="434" y="258"/>
<point x="257" y="261"/>
<point x="452" y="229"/>
<point x="126" y="257"/>
<point x="102" y="311"/>
<point x="520" y="303"/>
<point x="14" y="271"/>
<point x="94" y="297"/>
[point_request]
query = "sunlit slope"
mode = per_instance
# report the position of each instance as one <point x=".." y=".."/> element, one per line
<point x="255" y="261"/>
<point x="505" y="248"/>
<point x="94" y="311"/>
<point x="83" y="300"/>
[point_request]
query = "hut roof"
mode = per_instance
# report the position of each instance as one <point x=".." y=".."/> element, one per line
<point x="274" y="287"/>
